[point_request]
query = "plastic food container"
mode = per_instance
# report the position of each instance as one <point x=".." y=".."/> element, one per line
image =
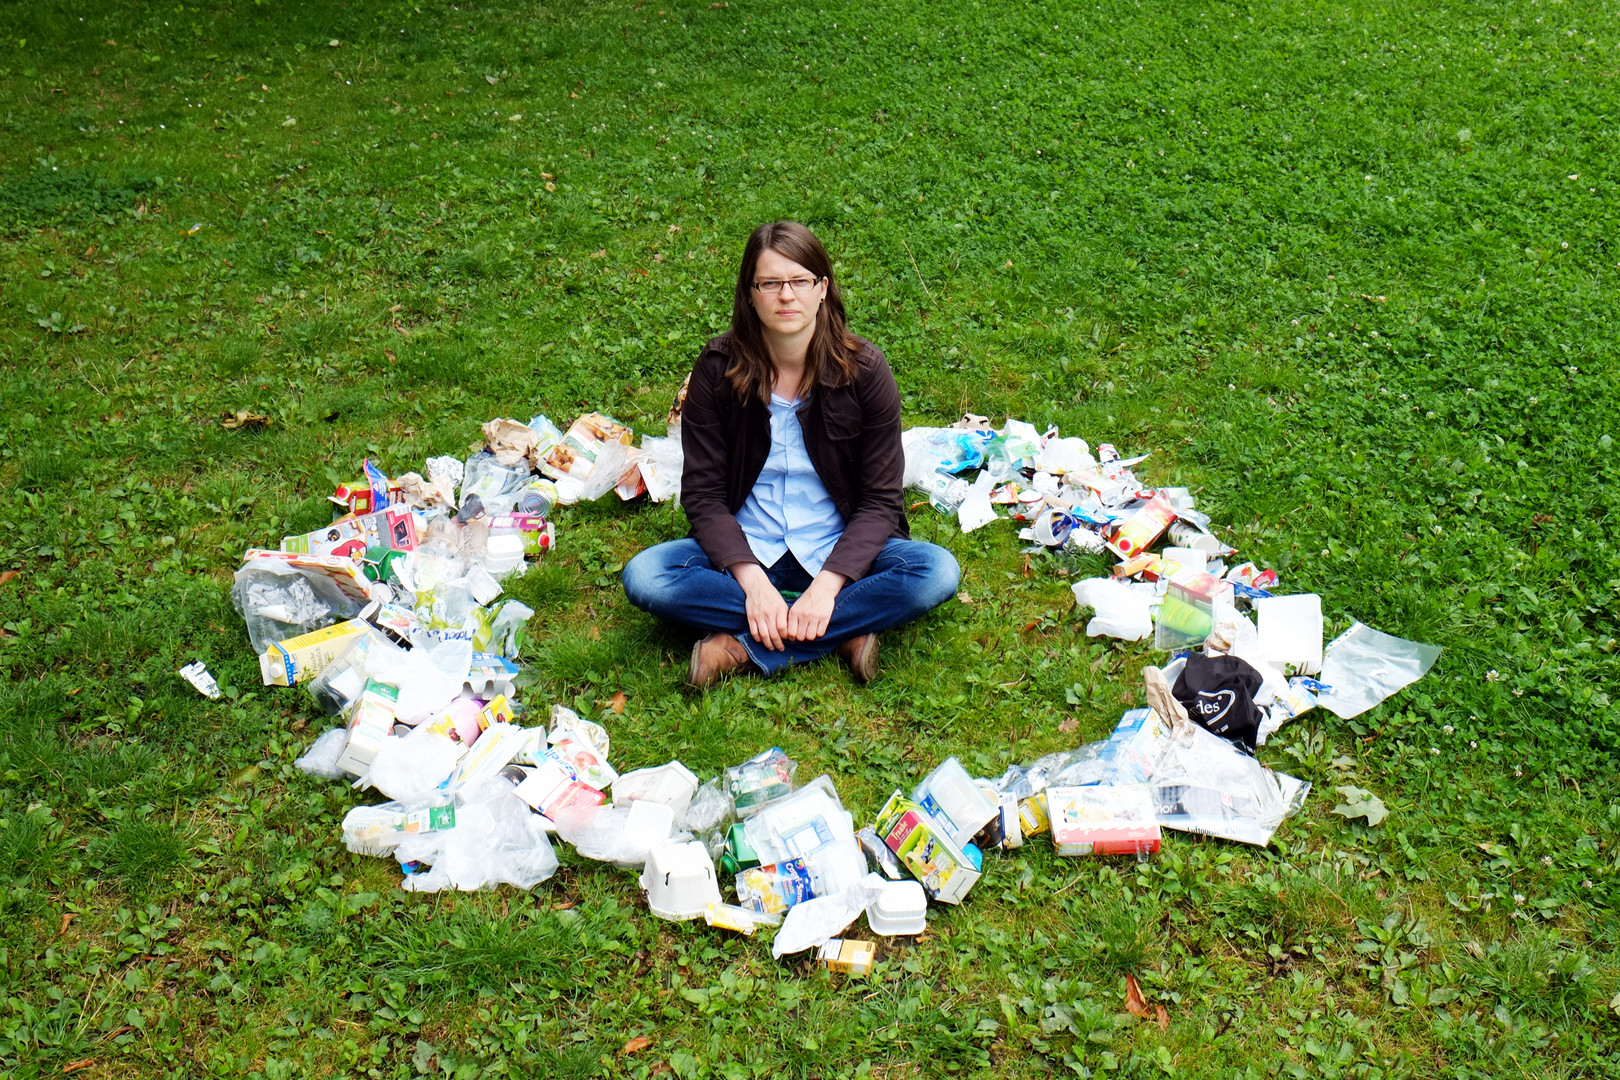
<point x="680" y="882"/>
<point x="901" y="908"/>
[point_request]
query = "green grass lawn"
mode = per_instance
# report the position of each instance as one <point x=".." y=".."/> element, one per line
<point x="1348" y="270"/>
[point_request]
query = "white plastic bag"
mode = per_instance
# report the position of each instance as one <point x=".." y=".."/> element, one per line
<point x="408" y="769"/>
<point x="621" y="835"/>
<point x="976" y="509"/>
<point x="1363" y="667"/>
<point x="1203" y="784"/>
<point x="812" y="923"/>
<point x="496" y="841"/>
<point x="321" y="757"/>
<point x="1121" y="611"/>
<point x="661" y="468"/>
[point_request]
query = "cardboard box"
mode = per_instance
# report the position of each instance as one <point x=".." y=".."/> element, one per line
<point x="350" y="537"/>
<point x="1103" y="820"/>
<point x="299" y="659"/>
<point x="924" y="848"/>
<point x="370" y="723"/>
<point x="848" y="957"/>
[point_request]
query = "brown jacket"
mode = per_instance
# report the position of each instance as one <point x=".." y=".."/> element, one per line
<point x="852" y="434"/>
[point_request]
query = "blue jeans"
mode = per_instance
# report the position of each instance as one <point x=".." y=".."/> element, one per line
<point x="676" y="581"/>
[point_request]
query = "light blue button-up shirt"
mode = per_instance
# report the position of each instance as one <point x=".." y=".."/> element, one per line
<point x="789" y="508"/>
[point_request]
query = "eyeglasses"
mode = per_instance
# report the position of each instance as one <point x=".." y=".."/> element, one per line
<point x="799" y="285"/>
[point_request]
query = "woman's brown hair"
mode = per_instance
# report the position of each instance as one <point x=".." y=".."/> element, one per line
<point x="831" y="358"/>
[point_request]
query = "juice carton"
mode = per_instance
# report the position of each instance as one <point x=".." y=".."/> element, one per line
<point x="925" y="849"/>
<point x="848" y="957"/>
<point x="369" y="724"/>
<point x="297" y="659"/>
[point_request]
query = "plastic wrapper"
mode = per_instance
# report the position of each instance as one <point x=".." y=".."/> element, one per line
<point x="1128" y="756"/>
<point x="662" y="465"/>
<point x="281" y="595"/>
<point x="322" y="756"/>
<point x="949" y="450"/>
<point x="378" y="830"/>
<point x="708" y="815"/>
<point x="1187" y="614"/>
<point x="485" y="477"/>
<point x="760" y="781"/>
<point x="566" y="721"/>
<point x="975" y="509"/>
<point x="1362" y="667"/>
<point x="1300" y="697"/>
<point x="409" y="768"/>
<point x="496" y="840"/>
<point x="810" y="826"/>
<point x="1121" y="611"/>
<point x="1206" y="785"/>
<point x="500" y="629"/>
<point x="1065" y="456"/>
<point x="813" y="923"/>
<point x="1012" y="450"/>
<point x="621" y="835"/>
<point x="612" y="461"/>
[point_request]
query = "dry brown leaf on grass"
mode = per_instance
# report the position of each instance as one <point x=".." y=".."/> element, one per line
<point x="1138" y="1006"/>
<point x="67" y="921"/>
<point x="8" y="575"/>
<point x="640" y="1042"/>
<point x="617" y="704"/>
<point x="1069" y="726"/>
<point x="242" y="420"/>
<point x="1134" y="1001"/>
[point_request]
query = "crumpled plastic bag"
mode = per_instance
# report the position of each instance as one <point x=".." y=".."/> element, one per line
<point x="1363" y="667"/>
<point x="812" y="923"/>
<point x="1203" y="784"/>
<point x="931" y="449"/>
<point x="321" y="757"/>
<point x="662" y="465"/>
<point x="486" y="477"/>
<point x="1121" y="611"/>
<point x="496" y="840"/>
<point x="278" y="601"/>
<point x="621" y="835"/>
<point x="409" y="768"/>
<point x="611" y="463"/>
<point x="1062" y="456"/>
<point x="711" y="810"/>
<point x="975" y="509"/>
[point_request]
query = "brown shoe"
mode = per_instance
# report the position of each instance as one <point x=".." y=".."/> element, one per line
<point x="860" y="653"/>
<point x="713" y="658"/>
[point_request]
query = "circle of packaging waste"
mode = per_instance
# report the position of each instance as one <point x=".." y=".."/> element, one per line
<point x="901" y="908"/>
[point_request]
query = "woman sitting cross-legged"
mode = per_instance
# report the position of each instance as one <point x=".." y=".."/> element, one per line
<point x="792" y="484"/>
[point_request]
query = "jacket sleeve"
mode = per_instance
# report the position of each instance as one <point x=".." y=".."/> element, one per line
<point x="704" y="470"/>
<point x="882" y="470"/>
